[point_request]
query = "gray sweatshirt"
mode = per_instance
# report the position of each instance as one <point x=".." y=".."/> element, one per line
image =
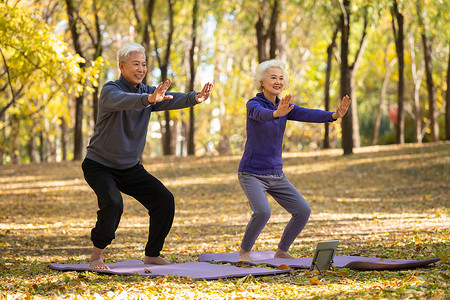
<point x="122" y="123"/>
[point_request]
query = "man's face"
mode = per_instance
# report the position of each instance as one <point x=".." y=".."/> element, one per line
<point x="134" y="69"/>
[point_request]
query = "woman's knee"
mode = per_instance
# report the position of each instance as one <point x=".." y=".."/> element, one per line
<point x="262" y="215"/>
<point x="307" y="210"/>
<point x="302" y="211"/>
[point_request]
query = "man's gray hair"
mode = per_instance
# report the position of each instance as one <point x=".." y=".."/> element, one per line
<point x="124" y="52"/>
<point x="261" y="72"/>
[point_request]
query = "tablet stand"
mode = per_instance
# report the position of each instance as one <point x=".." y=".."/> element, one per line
<point x="323" y="256"/>
<point x="323" y="259"/>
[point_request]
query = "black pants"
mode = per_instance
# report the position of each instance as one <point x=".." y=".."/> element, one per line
<point x="107" y="183"/>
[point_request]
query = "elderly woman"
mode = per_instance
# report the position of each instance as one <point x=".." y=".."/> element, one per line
<point x="261" y="167"/>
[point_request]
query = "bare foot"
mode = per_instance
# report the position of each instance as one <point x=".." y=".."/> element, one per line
<point x="244" y="255"/>
<point x="282" y="254"/>
<point x="98" y="264"/>
<point x="97" y="259"/>
<point x="150" y="260"/>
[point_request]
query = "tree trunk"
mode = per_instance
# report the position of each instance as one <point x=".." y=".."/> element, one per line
<point x="191" y="135"/>
<point x="42" y="156"/>
<point x="14" y="95"/>
<point x="144" y="27"/>
<point x="64" y="139"/>
<point x="192" y="73"/>
<point x="397" y="27"/>
<point x="429" y="80"/>
<point x="167" y="135"/>
<point x="184" y="132"/>
<point x="3" y="139"/>
<point x="57" y="147"/>
<point x="417" y="79"/>
<point x="345" y="88"/>
<point x="272" y="33"/>
<point x="167" y="140"/>
<point x="260" y="37"/>
<point x="175" y="134"/>
<point x="98" y="52"/>
<point x="15" y="140"/>
<point x="78" y="139"/>
<point x="48" y="143"/>
<point x="354" y="108"/>
<point x="95" y="103"/>
<point x="447" y="101"/>
<point x="353" y="69"/>
<point x="264" y="35"/>
<point x="326" y="139"/>
<point x="384" y="86"/>
<point x="32" y="146"/>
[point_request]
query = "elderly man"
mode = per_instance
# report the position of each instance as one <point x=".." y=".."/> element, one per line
<point x="112" y="163"/>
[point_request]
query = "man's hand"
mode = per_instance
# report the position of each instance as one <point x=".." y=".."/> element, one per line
<point x="205" y="93"/>
<point x="283" y="107"/>
<point x="160" y="93"/>
<point x="342" y="108"/>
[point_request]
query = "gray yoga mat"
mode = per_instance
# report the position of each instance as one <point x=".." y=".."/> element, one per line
<point x="352" y="262"/>
<point x="196" y="270"/>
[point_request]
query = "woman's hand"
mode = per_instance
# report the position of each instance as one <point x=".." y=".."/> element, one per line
<point x="205" y="93"/>
<point x="342" y="108"/>
<point x="283" y="107"/>
<point x="160" y="93"/>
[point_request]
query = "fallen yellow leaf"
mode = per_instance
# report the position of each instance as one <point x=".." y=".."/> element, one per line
<point x="444" y="258"/>
<point x="315" y="281"/>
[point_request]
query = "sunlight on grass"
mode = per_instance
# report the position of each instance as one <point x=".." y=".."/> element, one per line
<point x="44" y="186"/>
<point x="188" y="181"/>
<point x="18" y="179"/>
<point x="387" y="202"/>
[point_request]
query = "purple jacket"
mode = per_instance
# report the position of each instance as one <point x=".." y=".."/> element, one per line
<point x="263" y="148"/>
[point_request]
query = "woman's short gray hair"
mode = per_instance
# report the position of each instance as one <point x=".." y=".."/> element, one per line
<point x="261" y="72"/>
<point x="124" y="52"/>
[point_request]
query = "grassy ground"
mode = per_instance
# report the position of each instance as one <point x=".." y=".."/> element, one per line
<point x="387" y="202"/>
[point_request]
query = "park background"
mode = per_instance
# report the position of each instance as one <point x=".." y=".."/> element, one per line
<point x="391" y="57"/>
<point x="388" y="199"/>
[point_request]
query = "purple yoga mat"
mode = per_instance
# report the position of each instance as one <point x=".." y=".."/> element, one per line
<point x="196" y="270"/>
<point x="352" y="262"/>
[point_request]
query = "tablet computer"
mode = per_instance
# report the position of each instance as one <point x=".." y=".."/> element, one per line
<point x="324" y="254"/>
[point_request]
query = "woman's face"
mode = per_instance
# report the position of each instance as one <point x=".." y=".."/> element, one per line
<point x="273" y="83"/>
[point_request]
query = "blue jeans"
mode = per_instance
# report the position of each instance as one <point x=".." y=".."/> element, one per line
<point x="278" y="186"/>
